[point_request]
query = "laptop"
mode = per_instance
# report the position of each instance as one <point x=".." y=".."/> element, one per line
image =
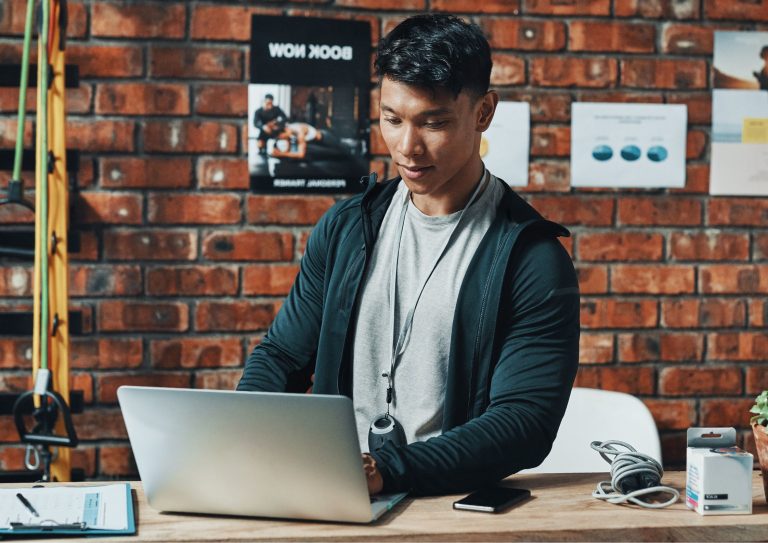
<point x="262" y="454"/>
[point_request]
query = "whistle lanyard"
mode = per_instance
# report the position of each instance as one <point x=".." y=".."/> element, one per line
<point x="404" y="335"/>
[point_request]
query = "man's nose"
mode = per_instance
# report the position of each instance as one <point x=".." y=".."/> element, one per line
<point x="410" y="143"/>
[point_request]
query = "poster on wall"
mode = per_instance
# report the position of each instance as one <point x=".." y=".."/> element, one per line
<point x="504" y="146"/>
<point x="628" y="145"/>
<point x="308" y="104"/>
<point x="740" y="114"/>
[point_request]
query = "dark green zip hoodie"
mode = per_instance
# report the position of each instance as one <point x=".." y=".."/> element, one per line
<point x="514" y="342"/>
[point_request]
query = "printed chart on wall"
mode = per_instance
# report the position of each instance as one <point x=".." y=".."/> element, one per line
<point x="628" y="145"/>
<point x="308" y="104"/>
<point x="740" y="114"/>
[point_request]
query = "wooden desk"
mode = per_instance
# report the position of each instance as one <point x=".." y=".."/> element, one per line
<point x="561" y="509"/>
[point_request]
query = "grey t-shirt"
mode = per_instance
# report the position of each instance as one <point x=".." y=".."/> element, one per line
<point x="420" y="375"/>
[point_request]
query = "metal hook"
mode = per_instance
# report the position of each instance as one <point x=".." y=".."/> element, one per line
<point x="32" y="451"/>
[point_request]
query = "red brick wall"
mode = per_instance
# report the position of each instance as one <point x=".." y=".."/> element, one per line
<point x="182" y="269"/>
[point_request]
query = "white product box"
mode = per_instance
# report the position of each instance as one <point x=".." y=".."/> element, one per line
<point x="719" y="474"/>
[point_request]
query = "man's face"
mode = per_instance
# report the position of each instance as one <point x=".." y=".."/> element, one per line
<point x="268" y="103"/>
<point x="433" y="138"/>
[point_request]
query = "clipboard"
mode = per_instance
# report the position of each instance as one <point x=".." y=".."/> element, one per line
<point x="54" y="529"/>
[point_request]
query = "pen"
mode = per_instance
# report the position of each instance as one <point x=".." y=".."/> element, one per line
<point x="26" y="503"/>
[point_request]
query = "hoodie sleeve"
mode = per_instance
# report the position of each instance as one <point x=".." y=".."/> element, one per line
<point x="538" y="336"/>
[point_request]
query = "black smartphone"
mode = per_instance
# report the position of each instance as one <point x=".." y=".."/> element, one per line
<point x="492" y="500"/>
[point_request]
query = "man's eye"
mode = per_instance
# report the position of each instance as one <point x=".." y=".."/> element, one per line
<point x="392" y="120"/>
<point x="435" y="124"/>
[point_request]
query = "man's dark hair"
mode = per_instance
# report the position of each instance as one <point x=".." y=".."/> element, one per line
<point x="436" y="50"/>
<point x="269" y="97"/>
<point x="764" y="51"/>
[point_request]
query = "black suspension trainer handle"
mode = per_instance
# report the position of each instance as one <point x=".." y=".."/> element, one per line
<point x="25" y="404"/>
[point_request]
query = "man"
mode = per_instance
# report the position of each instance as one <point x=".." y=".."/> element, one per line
<point x="440" y="301"/>
<point x="270" y="120"/>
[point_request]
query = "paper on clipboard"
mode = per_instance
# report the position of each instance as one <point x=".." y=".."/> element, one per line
<point x="99" y="507"/>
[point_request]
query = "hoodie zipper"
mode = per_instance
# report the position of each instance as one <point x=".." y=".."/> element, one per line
<point x="347" y="335"/>
<point x="364" y="249"/>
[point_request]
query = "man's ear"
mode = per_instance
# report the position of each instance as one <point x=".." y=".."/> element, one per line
<point x="487" y="108"/>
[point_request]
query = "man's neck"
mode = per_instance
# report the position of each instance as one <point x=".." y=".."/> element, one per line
<point x="453" y="200"/>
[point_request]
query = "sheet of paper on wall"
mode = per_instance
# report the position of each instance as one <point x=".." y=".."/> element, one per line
<point x="628" y="145"/>
<point x="740" y="115"/>
<point x="504" y="146"/>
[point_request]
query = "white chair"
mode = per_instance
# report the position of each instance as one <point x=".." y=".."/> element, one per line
<point x="599" y="415"/>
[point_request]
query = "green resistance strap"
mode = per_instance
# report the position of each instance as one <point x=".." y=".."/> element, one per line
<point x="15" y="187"/>
<point x="42" y="171"/>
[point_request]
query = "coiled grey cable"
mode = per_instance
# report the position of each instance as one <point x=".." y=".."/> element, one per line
<point x="633" y="474"/>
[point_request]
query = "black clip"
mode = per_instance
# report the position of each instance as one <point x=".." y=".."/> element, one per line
<point x="55" y="326"/>
<point x="55" y="527"/>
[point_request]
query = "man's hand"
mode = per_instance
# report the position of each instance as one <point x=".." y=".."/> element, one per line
<point x="270" y="127"/>
<point x="372" y="475"/>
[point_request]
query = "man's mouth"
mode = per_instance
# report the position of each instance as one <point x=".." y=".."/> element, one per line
<point x="414" y="172"/>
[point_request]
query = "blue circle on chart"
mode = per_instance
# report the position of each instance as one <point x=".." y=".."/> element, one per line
<point x="657" y="153"/>
<point x="602" y="153"/>
<point x="630" y="152"/>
